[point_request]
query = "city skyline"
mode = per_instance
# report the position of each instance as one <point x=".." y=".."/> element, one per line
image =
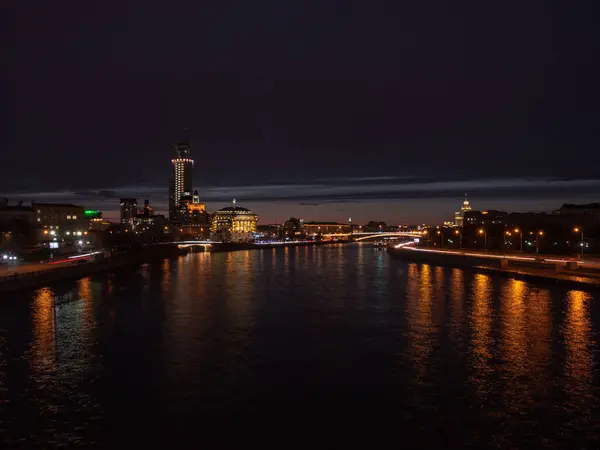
<point x="343" y="105"/>
<point x="375" y="198"/>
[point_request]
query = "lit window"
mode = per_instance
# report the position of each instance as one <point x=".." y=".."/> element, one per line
<point x="74" y="217"/>
<point x="68" y="217"/>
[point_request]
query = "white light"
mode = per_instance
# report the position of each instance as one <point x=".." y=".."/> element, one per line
<point x="68" y="233"/>
<point x="80" y="242"/>
<point x="52" y="232"/>
<point x="5" y="256"/>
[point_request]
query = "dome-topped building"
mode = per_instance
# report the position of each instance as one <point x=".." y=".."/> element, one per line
<point x="233" y="224"/>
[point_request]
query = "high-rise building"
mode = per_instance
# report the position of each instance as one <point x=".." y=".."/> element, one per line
<point x="181" y="177"/>
<point x="459" y="216"/>
<point x="129" y="210"/>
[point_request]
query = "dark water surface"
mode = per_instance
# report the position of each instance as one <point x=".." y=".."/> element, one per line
<point x="329" y="341"/>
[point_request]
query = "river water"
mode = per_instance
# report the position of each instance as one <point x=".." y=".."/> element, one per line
<point x="329" y="341"/>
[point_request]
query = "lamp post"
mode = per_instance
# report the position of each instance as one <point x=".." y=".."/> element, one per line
<point x="482" y="231"/>
<point x="426" y="233"/>
<point x="507" y="233"/>
<point x="520" y="234"/>
<point x="580" y="230"/>
<point x="459" y="233"/>
<point x="537" y="240"/>
<point x="441" y="239"/>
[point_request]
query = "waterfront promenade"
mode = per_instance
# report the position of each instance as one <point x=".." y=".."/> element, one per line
<point x="556" y="268"/>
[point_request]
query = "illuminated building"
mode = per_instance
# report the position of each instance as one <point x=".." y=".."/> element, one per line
<point x="60" y="214"/>
<point x="61" y="224"/>
<point x="459" y="216"/>
<point x="129" y="210"/>
<point x="181" y="178"/>
<point x="233" y="224"/>
<point x="97" y="223"/>
<point x="194" y="218"/>
<point x="147" y="220"/>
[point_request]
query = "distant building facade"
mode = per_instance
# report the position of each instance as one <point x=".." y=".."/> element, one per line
<point x="148" y="221"/>
<point x="11" y="213"/>
<point x="317" y="228"/>
<point x="60" y="215"/>
<point x="129" y="210"/>
<point x="590" y="211"/>
<point x="233" y="224"/>
<point x="61" y="224"/>
<point x="459" y="216"/>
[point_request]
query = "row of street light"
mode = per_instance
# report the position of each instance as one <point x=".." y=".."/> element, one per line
<point x="483" y="232"/>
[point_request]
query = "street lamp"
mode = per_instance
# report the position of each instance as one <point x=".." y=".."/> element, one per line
<point x="458" y="232"/>
<point x="580" y="230"/>
<point x="520" y="234"/>
<point x="441" y="239"/>
<point x="426" y="233"/>
<point x="537" y="240"/>
<point x="482" y="231"/>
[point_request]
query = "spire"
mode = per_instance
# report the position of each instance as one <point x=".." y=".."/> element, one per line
<point x="233" y="202"/>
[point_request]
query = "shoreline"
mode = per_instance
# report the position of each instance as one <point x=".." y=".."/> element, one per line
<point x="38" y="278"/>
<point x="518" y="267"/>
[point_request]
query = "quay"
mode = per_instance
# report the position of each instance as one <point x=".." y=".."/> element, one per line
<point x="545" y="268"/>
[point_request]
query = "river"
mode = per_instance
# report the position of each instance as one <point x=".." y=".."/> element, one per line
<point x="314" y="338"/>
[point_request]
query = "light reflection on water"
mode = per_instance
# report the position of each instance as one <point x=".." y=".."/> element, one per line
<point x="333" y="330"/>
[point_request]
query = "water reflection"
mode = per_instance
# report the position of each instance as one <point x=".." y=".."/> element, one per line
<point x="314" y="329"/>
<point x="457" y="315"/>
<point x="578" y="362"/>
<point x="44" y="330"/>
<point x="539" y="340"/>
<point x="481" y="318"/>
<point x="419" y="312"/>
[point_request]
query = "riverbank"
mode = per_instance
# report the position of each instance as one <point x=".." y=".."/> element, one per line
<point x="44" y="275"/>
<point x="544" y="269"/>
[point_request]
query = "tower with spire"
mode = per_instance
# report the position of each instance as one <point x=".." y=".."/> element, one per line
<point x="459" y="216"/>
<point x="181" y="180"/>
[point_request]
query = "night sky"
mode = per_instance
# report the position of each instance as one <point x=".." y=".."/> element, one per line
<point x="316" y="109"/>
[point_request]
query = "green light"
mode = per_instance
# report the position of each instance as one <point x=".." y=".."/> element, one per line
<point x="92" y="213"/>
